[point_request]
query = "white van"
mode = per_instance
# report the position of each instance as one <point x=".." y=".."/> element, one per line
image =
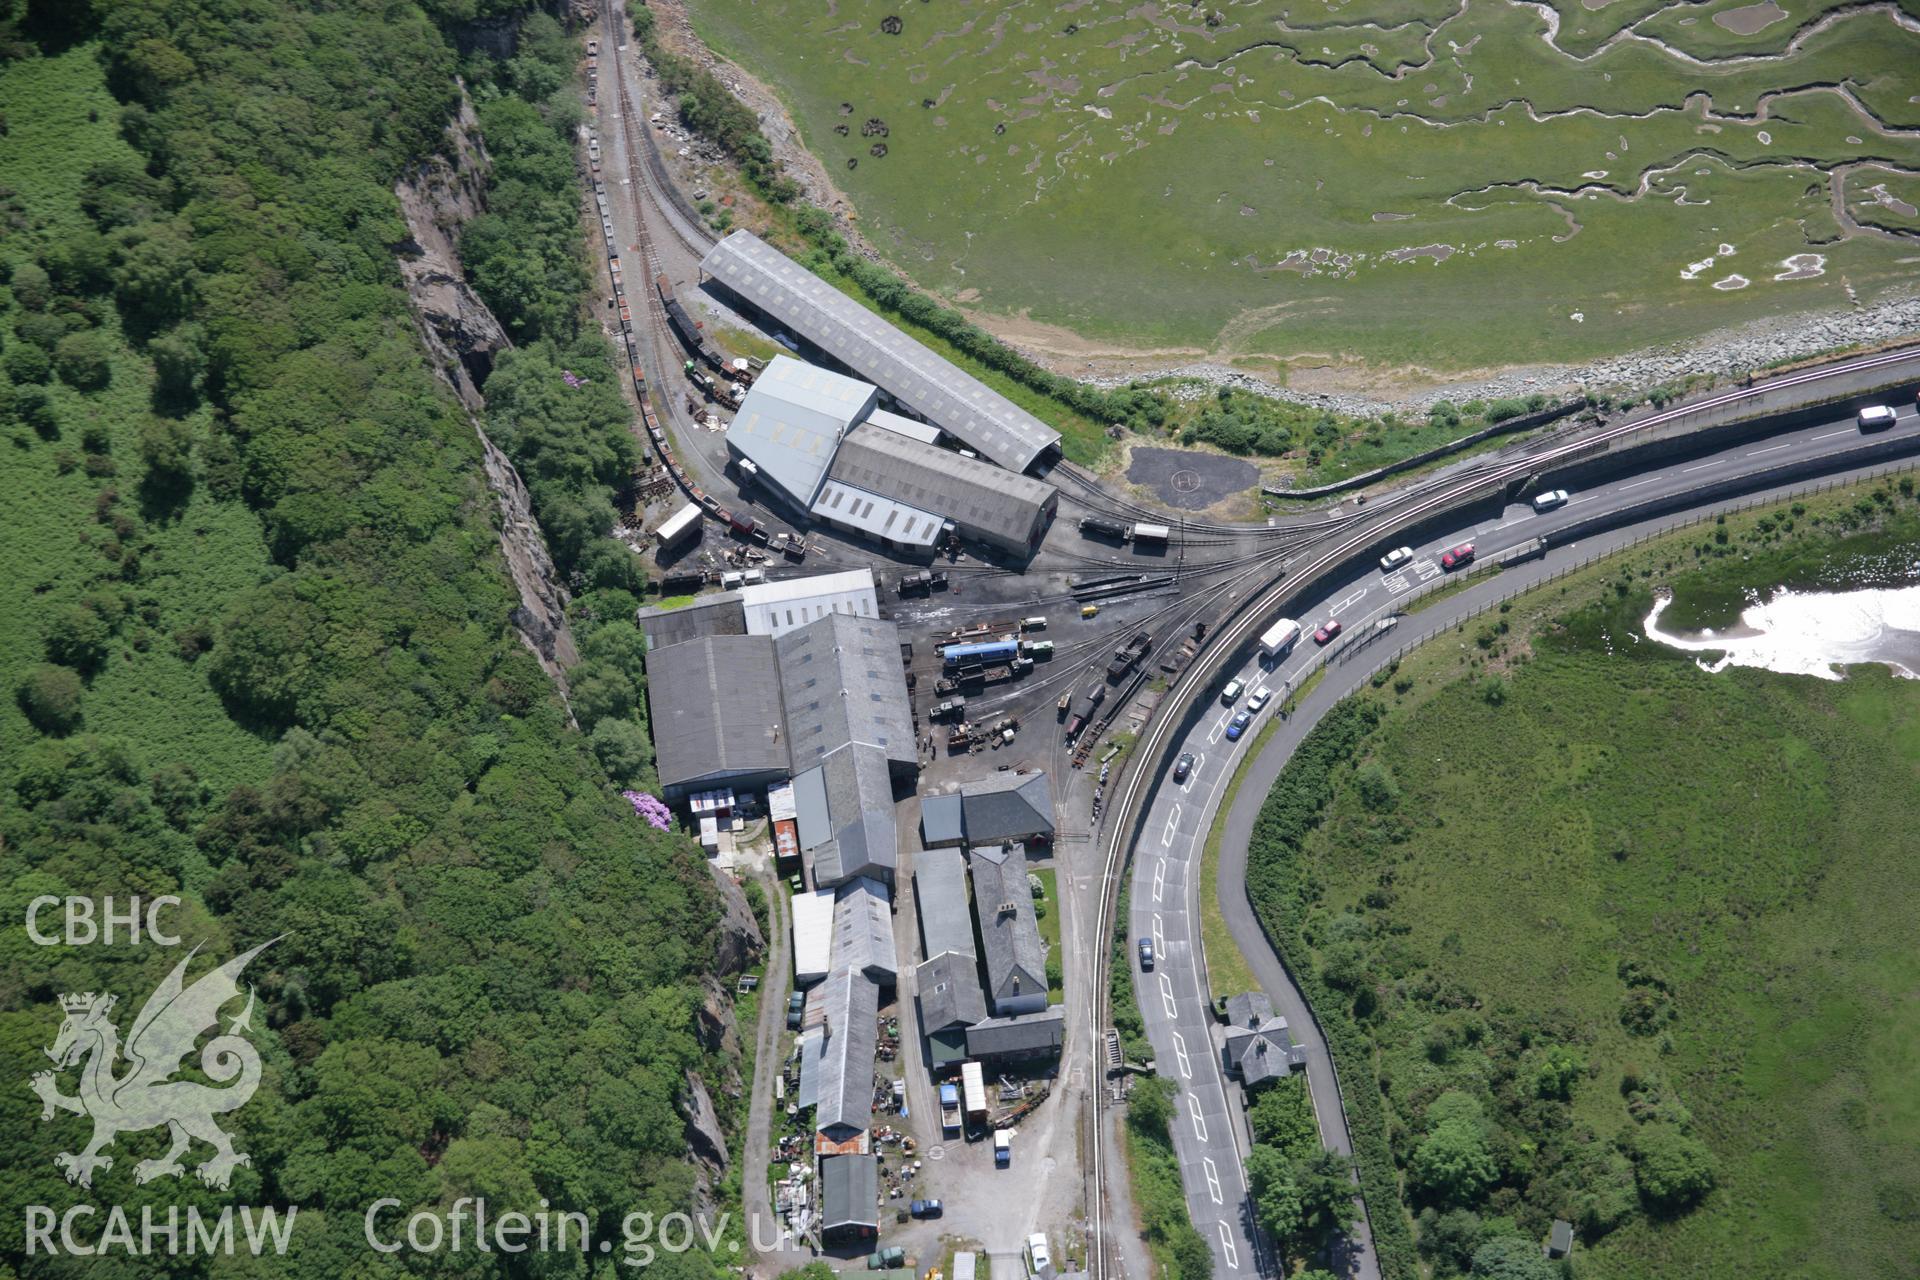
<point x="1876" y="417"/>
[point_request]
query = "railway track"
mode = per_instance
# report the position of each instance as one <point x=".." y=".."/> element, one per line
<point x="1340" y="542"/>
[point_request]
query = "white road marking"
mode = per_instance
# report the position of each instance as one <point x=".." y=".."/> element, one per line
<point x="1199" y="760"/>
<point x="1831" y="434"/>
<point x="1159" y="879"/>
<point x="1425" y="569"/>
<point x="1637" y="483"/>
<point x="1769" y="449"/>
<point x="1213" y="1179"/>
<point x="1226" y="1243"/>
<point x="1344" y="605"/>
<point x="1166" y="997"/>
<point x="1173" y="820"/>
<point x="1193" y="1113"/>
<point x="1702" y="467"/>
<point x="1159" y="938"/>
<point x="1213" y="736"/>
<point x="1186" y="1063"/>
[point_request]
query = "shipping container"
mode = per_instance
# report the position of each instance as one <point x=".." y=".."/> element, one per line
<point x="681" y="524"/>
<point x="1149" y="533"/>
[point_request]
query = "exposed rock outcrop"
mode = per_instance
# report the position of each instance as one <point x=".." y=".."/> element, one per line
<point x="436" y="197"/>
<point x="738" y="941"/>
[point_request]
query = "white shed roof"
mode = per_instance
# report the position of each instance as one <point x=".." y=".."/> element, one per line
<point x="812" y="935"/>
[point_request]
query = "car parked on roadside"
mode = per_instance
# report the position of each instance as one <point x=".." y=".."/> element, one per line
<point x="1231" y="694"/>
<point x="1457" y="558"/>
<point x="1395" y="558"/>
<point x="926" y="1208"/>
<point x="1328" y="630"/>
<point x="1260" y="698"/>
<point x="1183" y="766"/>
<point x="1550" y="499"/>
<point x="796" y="1009"/>
<point x="1238" y="725"/>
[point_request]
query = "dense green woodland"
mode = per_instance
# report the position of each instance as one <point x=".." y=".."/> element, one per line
<point x="255" y="629"/>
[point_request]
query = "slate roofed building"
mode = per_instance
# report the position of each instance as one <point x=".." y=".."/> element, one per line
<point x="1009" y="934"/>
<point x="769" y="282"/>
<point x="940" y="896"/>
<point x="714" y="715"/>
<point x="1005" y="806"/>
<point x="950" y="1001"/>
<point x="791" y="423"/>
<point x="1257" y="1047"/>
<point x="849" y="1199"/>
<point x="845" y="819"/>
<point x="842" y="684"/>
<point x="863" y="930"/>
<point x="843" y="1012"/>
<point x="1000" y="508"/>
<point x="1019" y="1038"/>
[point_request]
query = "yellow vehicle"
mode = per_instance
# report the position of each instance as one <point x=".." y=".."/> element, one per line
<point x="1089" y="610"/>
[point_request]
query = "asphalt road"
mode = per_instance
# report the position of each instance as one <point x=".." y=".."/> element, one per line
<point x="1208" y="1133"/>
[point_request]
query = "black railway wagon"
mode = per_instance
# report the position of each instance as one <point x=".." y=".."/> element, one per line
<point x="1109" y="529"/>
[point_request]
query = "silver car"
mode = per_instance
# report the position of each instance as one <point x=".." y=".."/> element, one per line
<point x="1550" y="499"/>
<point x="1395" y="558"/>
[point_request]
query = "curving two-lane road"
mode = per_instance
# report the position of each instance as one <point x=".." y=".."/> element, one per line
<point x="1164" y="904"/>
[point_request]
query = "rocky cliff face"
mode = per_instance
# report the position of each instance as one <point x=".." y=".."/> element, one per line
<point x="437" y="196"/>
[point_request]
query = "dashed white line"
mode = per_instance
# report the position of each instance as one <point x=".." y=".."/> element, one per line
<point x="1193" y="1113"/>
<point x="1213" y="1179"/>
<point x="1702" y="467"/>
<point x="1831" y="434"/>
<point x="1226" y="1244"/>
<point x="1637" y="483"/>
<point x="1772" y="448"/>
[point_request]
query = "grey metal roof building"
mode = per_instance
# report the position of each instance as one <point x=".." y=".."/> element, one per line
<point x="1257" y="1046"/>
<point x="849" y="1198"/>
<point x="845" y="818"/>
<point x="996" y="507"/>
<point x="895" y="524"/>
<point x="712" y="701"/>
<point x="792" y="420"/>
<point x="1005" y="806"/>
<point x="940" y="896"/>
<point x="863" y="930"/>
<point x="848" y="1006"/>
<point x="1030" y="1035"/>
<point x="1009" y="933"/>
<point x="930" y="385"/>
<point x="717" y="615"/>
<point x="843" y="684"/>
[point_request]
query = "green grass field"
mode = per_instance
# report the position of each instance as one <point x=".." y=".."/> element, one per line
<point x="194" y="557"/>
<point x="1569" y="799"/>
<point x="1250" y="188"/>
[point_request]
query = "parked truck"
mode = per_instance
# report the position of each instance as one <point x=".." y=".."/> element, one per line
<point x="950" y="1110"/>
<point x="1002" y="1148"/>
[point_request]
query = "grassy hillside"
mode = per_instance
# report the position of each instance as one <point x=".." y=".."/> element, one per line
<point x="1623" y="942"/>
<point x="256" y="649"/>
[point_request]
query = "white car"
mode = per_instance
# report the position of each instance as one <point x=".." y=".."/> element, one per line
<point x="1550" y="499"/>
<point x="1037" y="1254"/>
<point x="1259" y="698"/>
<point x="1395" y="558"/>
<point x="1231" y="694"/>
<point x="1876" y="417"/>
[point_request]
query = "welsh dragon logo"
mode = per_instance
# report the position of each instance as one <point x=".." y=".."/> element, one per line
<point x="146" y="1096"/>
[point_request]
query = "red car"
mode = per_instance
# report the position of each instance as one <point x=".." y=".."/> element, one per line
<point x="1328" y="630"/>
<point x="1460" y="556"/>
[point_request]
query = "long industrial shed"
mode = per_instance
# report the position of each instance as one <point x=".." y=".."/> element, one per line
<point x="956" y="402"/>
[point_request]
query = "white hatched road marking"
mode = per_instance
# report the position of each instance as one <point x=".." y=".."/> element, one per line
<point x="1159" y="938"/>
<point x="1159" y="879"/>
<point x="1213" y="1180"/>
<point x="1193" y="1112"/>
<point x="1186" y="1063"/>
<point x="1226" y="1242"/>
<point x="1344" y="605"/>
<point x="1166" y="996"/>
<point x="1173" y="820"/>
